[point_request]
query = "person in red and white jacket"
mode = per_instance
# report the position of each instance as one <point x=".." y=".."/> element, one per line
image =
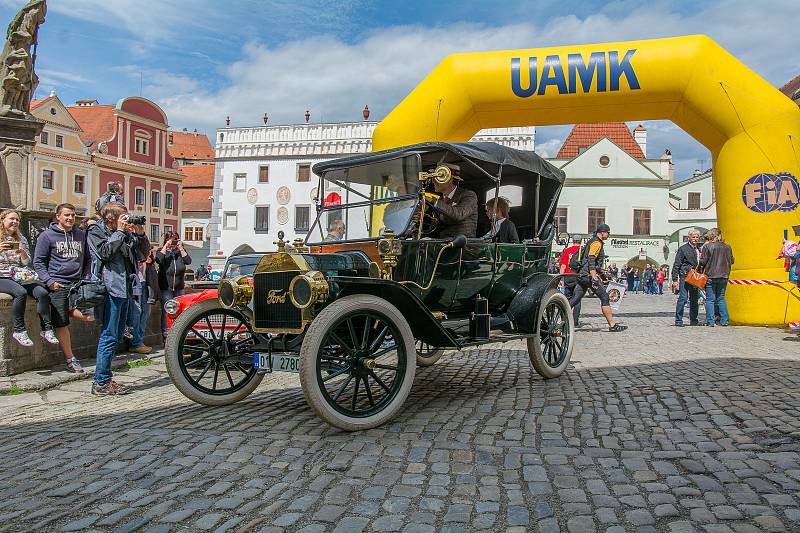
<point x="570" y="277"/>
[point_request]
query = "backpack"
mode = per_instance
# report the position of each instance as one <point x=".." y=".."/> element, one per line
<point x="576" y="261"/>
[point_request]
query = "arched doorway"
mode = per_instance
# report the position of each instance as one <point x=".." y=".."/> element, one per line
<point x="243" y="249"/>
<point x="751" y="129"/>
<point x="641" y="264"/>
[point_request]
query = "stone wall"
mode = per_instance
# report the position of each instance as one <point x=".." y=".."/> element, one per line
<point x="15" y="358"/>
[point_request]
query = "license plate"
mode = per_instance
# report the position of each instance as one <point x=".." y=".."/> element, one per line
<point x="280" y="362"/>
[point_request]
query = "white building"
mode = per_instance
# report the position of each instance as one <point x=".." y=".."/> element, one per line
<point x="692" y="204"/>
<point x="263" y="181"/>
<point x="610" y="180"/>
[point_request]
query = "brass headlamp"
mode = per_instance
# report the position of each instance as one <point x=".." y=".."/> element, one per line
<point x="441" y="175"/>
<point x="308" y="289"/>
<point x="235" y="292"/>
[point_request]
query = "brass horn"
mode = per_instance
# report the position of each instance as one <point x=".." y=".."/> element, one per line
<point x="442" y="174"/>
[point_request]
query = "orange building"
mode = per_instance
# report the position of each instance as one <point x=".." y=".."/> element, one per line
<point x="128" y="142"/>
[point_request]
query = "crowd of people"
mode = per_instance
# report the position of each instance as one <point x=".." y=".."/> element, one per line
<point x="582" y="266"/>
<point x="105" y="271"/>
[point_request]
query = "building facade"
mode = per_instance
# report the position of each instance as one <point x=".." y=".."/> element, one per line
<point x="692" y="205"/>
<point x="264" y="183"/>
<point x="61" y="167"/>
<point x="128" y="142"/>
<point x="198" y="190"/>
<point x="610" y="180"/>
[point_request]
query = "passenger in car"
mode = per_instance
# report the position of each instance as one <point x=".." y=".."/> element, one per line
<point x="504" y="230"/>
<point x="457" y="207"/>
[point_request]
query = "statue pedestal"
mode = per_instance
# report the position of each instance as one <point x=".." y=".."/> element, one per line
<point x="17" y="138"/>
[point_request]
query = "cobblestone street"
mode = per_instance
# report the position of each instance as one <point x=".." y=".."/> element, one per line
<point x="653" y="429"/>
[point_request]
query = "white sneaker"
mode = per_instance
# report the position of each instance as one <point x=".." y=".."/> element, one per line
<point x="22" y="338"/>
<point x="49" y="336"/>
<point x="74" y="366"/>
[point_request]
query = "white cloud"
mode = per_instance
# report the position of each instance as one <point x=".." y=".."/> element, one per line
<point x="334" y="79"/>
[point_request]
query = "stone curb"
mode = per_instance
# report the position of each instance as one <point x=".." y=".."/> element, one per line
<point x="48" y="378"/>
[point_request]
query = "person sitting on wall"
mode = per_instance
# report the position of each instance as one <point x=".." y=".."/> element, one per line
<point x="504" y="230"/>
<point x="457" y="207"/>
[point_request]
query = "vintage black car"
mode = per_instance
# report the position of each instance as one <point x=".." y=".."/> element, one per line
<point x="372" y="293"/>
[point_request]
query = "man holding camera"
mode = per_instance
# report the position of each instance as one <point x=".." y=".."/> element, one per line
<point x="117" y="246"/>
<point x="172" y="259"/>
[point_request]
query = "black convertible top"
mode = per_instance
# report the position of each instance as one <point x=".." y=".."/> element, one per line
<point x="489" y="156"/>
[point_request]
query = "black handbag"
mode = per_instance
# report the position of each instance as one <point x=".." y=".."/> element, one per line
<point x="88" y="293"/>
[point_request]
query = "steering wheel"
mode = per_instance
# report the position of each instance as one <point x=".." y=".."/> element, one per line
<point x="430" y="221"/>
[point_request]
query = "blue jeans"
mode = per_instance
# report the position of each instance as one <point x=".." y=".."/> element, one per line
<point x="167" y="295"/>
<point x="115" y="314"/>
<point x="690" y="294"/>
<point x="138" y="314"/>
<point x="636" y="285"/>
<point x="715" y="294"/>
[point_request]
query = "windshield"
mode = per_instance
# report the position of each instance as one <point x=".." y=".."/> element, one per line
<point x="240" y="266"/>
<point x="360" y="202"/>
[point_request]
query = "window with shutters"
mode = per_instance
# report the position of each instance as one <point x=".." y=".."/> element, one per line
<point x="694" y="200"/>
<point x="261" y="219"/>
<point x="301" y="218"/>
<point x="59" y="141"/>
<point x="303" y="172"/>
<point x="561" y="220"/>
<point x="263" y="174"/>
<point x="597" y="216"/>
<point x="48" y="179"/>
<point x="641" y="222"/>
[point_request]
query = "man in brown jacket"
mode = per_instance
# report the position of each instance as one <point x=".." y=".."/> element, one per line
<point x="457" y="207"/>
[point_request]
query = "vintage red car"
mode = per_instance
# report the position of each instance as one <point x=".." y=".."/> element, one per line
<point x="237" y="265"/>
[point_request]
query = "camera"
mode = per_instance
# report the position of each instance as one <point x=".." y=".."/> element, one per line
<point x="137" y="220"/>
<point x="174" y="242"/>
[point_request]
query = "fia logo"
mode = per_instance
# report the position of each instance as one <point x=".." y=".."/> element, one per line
<point x="764" y="193"/>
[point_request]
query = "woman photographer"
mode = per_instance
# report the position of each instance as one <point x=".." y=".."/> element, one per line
<point x="172" y="260"/>
<point x="15" y="256"/>
<point x="116" y="247"/>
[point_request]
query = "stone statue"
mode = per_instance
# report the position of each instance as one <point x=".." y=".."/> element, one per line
<point x="17" y="79"/>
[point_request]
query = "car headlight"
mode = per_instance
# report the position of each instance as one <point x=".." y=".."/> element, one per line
<point x="235" y="292"/>
<point x="171" y="307"/>
<point x="308" y="289"/>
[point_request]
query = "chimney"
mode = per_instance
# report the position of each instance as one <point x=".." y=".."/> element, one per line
<point x="696" y="172"/>
<point x="667" y="168"/>
<point x="640" y="136"/>
<point x="52" y="93"/>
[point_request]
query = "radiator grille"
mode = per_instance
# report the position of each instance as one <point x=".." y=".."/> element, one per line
<point x="282" y="315"/>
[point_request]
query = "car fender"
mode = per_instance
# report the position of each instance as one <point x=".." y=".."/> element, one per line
<point x="524" y="306"/>
<point x="423" y="324"/>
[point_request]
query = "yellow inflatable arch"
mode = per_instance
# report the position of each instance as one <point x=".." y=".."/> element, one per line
<point x="752" y="130"/>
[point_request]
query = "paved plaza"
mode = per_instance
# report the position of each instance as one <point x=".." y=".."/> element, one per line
<point x="654" y="429"/>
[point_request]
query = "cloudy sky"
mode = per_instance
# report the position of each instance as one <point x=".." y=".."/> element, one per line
<point x="205" y="59"/>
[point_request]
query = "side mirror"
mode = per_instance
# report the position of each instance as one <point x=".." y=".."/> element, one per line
<point x="459" y="242"/>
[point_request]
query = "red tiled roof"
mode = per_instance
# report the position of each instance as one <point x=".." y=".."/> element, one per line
<point x="585" y="135"/>
<point x="791" y="88"/>
<point x="96" y="121"/>
<point x="189" y="145"/>
<point x="37" y="103"/>
<point x="197" y="199"/>
<point x="198" y="176"/>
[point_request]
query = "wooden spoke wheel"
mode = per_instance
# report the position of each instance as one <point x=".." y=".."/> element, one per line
<point x="203" y="355"/>
<point x="551" y="349"/>
<point x="355" y="363"/>
<point x="427" y="354"/>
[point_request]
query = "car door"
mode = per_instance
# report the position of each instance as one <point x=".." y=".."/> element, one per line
<point x="508" y="274"/>
<point x="475" y="273"/>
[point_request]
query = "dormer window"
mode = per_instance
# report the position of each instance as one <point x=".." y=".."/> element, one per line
<point x="141" y="142"/>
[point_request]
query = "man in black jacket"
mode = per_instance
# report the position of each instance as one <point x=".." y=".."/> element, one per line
<point x="685" y="259"/>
